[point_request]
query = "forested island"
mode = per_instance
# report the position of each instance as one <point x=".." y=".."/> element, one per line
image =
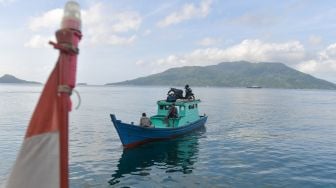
<point x="10" y="79"/>
<point x="234" y="74"/>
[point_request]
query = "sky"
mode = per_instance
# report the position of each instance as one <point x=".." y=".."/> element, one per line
<point x="126" y="39"/>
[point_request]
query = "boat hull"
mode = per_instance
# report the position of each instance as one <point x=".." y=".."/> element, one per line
<point x="131" y="135"/>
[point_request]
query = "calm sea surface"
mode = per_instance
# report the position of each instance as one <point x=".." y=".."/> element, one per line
<point x="253" y="138"/>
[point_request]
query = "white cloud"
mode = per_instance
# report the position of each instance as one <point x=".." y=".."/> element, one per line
<point x="292" y="53"/>
<point x="329" y="53"/>
<point x="323" y="65"/>
<point x="251" y="50"/>
<point x="38" y="41"/>
<point x="307" y="66"/>
<point x="208" y="41"/>
<point x="189" y="11"/>
<point x="314" y="40"/>
<point x="99" y="25"/>
<point x="321" y="69"/>
<point x="126" y="21"/>
<point x="48" y="20"/>
<point x="106" y="28"/>
<point x="112" y="39"/>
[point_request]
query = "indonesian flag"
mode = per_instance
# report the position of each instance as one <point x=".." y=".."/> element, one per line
<point x="43" y="159"/>
<point x="38" y="163"/>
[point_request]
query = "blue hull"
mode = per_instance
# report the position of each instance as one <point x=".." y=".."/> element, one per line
<point x="131" y="135"/>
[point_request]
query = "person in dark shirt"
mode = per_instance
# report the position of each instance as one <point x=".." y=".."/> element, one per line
<point x="172" y="113"/>
<point x="188" y="92"/>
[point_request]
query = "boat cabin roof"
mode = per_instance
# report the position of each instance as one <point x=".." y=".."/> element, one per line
<point x="179" y="102"/>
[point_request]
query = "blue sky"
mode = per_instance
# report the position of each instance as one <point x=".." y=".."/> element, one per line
<point x="132" y="38"/>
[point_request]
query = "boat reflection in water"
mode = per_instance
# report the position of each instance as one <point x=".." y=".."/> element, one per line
<point x="174" y="155"/>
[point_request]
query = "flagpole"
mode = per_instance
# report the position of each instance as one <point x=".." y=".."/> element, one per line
<point x="67" y="66"/>
<point x="68" y="38"/>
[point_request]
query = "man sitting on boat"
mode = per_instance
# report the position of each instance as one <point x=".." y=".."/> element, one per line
<point x="145" y="121"/>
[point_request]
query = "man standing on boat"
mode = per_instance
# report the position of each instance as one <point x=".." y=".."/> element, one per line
<point x="145" y="121"/>
<point x="188" y="92"/>
<point x="172" y="113"/>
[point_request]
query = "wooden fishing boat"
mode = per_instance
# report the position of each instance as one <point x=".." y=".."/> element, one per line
<point x="187" y="120"/>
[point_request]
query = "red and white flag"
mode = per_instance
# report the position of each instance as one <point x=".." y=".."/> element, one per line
<point x="43" y="159"/>
<point x="38" y="163"/>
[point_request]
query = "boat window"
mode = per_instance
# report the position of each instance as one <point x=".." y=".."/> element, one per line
<point x="161" y="107"/>
<point x="167" y="107"/>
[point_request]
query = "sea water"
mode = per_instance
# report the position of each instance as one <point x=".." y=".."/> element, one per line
<point x="253" y="138"/>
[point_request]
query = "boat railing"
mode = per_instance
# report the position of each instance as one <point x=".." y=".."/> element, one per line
<point x="164" y="121"/>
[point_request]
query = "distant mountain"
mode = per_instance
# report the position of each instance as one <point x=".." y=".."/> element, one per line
<point x="234" y="74"/>
<point x="7" y="78"/>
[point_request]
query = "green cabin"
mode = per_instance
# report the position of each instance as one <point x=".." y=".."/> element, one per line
<point x="187" y="113"/>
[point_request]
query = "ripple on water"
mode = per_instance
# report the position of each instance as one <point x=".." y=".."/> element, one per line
<point x="253" y="138"/>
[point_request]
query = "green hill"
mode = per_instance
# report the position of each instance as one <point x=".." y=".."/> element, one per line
<point x="234" y="74"/>
<point x="7" y="78"/>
